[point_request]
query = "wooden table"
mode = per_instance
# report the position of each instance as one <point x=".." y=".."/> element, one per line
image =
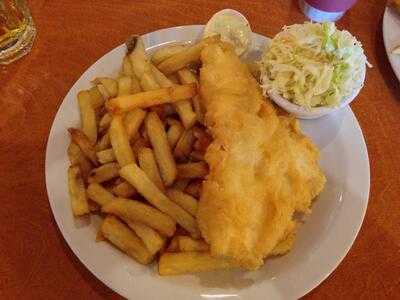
<point x="35" y="261"/>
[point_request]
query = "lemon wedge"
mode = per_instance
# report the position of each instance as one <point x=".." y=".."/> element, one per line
<point x="233" y="28"/>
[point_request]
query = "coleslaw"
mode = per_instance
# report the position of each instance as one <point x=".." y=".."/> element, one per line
<point x="313" y="64"/>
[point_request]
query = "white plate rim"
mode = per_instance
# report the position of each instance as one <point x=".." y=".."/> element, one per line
<point x="123" y="292"/>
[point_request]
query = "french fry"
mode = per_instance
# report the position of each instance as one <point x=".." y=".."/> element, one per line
<point x="196" y="156"/>
<point x="196" y="101"/>
<point x="151" y="98"/>
<point x="162" y="80"/>
<point x="138" y="178"/>
<point x="189" y="55"/>
<point x="88" y="116"/>
<point x="120" y="142"/>
<point x="93" y="206"/>
<point x="103" y="173"/>
<point x="190" y="262"/>
<point x="147" y="163"/>
<point x="151" y="238"/>
<point x="187" y="202"/>
<point x="125" y="239"/>
<point x="163" y="53"/>
<point x="180" y="184"/>
<point x="187" y="244"/>
<point x="135" y="88"/>
<point x="148" y="82"/>
<point x="137" y="55"/>
<point x="105" y="156"/>
<point x="139" y="143"/>
<point x="173" y="245"/>
<point x="162" y="150"/>
<point x="76" y="157"/>
<point x="124" y="190"/>
<point x="99" y="236"/>
<point x="111" y="85"/>
<point x="136" y="211"/>
<point x="174" y="133"/>
<point x="192" y="170"/>
<point x="124" y="85"/>
<point x="99" y="194"/>
<point x="194" y="188"/>
<point x="86" y="146"/>
<point x="186" y="76"/>
<point x="103" y="91"/>
<point x="77" y="192"/>
<point x="173" y="78"/>
<point x="132" y="121"/>
<point x="127" y="69"/>
<point x="184" y="145"/>
<point x="97" y="99"/>
<point x="186" y="113"/>
<point x="104" y="142"/>
<point x="105" y="122"/>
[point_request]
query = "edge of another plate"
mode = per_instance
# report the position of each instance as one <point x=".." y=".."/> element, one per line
<point x="390" y="17"/>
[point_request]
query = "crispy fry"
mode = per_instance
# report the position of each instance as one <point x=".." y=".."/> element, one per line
<point x="93" y="206"/>
<point x="184" y="145"/>
<point x="186" y="76"/>
<point x="126" y="240"/>
<point x="99" y="236"/>
<point x="174" y="133"/>
<point x="173" y="245"/>
<point x="194" y="188"/>
<point x="162" y="80"/>
<point x="187" y="244"/>
<point x="135" y="88"/>
<point x="186" y="113"/>
<point x="189" y="55"/>
<point x="77" y="192"/>
<point x="148" y="82"/>
<point x="105" y="156"/>
<point x="173" y="78"/>
<point x="87" y="148"/>
<point x="124" y="190"/>
<point x="151" y="238"/>
<point x="124" y="85"/>
<point x="139" y="212"/>
<point x="96" y="98"/>
<point x="127" y="69"/>
<point x="137" y="177"/>
<point x="147" y="163"/>
<point x="105" y="122"/>
<point x="111" y="85"/>
<point x="76" y="157"/>
<point x="180" y="184"/>
<point x="196" y="155"/>
<point x="198" y="109"/>
<point x="190" y="262"/>
<point x="162" y="150"/>
<point x="137" y="55"/>
<point x="104" y="173"/>
<point x="99" y="194"/>
<point x="163" y="53"/>
<point x="133" y="120"/>
<point x="88" y="116"/>
<point x="120" y="142"/>
<point x="104" y="142"/>
<point x="151" y="98"/>
<point x="187" y="202"/>
<point x="192" y="170"/>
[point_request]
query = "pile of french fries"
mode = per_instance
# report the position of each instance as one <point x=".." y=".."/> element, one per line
<point x="137" y="159"/>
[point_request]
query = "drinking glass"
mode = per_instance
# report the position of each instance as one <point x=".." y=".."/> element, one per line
<point x="17" y="30"/>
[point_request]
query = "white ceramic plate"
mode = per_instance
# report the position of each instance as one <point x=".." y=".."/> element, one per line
<point x="322" y="242"/>
<point x="391" y="37"/>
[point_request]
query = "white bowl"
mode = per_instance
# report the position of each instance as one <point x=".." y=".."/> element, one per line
<point x="315" y="112"/>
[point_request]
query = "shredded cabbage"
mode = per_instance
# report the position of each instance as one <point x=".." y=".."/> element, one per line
<point x="313" y="64"/>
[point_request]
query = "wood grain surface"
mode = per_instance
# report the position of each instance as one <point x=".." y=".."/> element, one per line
<point x="35" y="261"/>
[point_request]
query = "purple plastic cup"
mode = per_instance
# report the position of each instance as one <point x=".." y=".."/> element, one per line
<point x="325" y="10"/>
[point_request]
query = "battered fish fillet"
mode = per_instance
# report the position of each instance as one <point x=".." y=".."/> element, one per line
<point x="262" y="168"/>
